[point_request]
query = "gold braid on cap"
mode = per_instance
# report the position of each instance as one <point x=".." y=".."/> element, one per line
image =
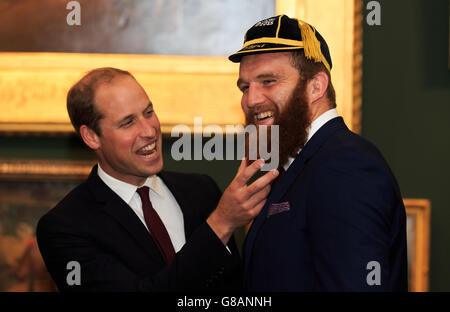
<point x="311" y="45"/>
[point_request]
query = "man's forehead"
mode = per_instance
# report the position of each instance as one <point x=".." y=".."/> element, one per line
<point x="266" y="64"/>
<point x="116" y="83"/>
<point x="125" y="112"/>
<point x="119" y="98"/>
<point x="266" y="57"/>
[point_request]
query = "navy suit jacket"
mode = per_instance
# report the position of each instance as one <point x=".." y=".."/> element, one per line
<point x="339" y="209"/>
<point x="94" y="226"/>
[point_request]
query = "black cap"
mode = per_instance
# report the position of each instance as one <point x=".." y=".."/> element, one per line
<point x="281" y="33"/>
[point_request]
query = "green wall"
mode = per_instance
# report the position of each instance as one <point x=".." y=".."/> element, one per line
<point x="406" y="109"/>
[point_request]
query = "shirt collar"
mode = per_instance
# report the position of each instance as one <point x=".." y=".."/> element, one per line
<point x="126" y="190"/>
<point x="315" y="126"/>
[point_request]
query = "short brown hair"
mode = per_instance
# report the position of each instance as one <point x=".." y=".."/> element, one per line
<point x="309" y="68"/>
<point x="81" y="98"/>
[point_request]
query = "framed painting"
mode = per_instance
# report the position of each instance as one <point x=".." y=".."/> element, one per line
<point x="184" y="76"/>
<point x="418" y="240"/>
<point x="28" y="189"/>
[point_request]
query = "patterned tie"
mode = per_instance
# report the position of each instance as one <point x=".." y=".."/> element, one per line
<point x="155" y="225"/>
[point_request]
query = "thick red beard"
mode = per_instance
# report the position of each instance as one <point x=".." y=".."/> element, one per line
<point x="294" y="122"/>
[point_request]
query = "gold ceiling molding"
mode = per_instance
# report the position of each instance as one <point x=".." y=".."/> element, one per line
<point x="40" y="169"/>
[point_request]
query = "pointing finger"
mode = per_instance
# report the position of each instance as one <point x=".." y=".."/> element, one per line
<point x="262" y="182"/>
<point x="249" y="171"/>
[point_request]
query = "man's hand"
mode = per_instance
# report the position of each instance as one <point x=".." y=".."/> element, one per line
<point x="240" y="203"/>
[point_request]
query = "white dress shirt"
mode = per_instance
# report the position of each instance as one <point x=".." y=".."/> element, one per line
<point x="315" y="126"/>
<point x="162" y="201"/>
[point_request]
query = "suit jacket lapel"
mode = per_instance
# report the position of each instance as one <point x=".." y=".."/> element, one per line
<point x="114" y="206"/>
<point x="289" y="177"/>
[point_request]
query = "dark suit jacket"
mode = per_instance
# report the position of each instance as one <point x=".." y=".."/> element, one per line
<point x="345" y="211"/>
<point x="94" y="226"/>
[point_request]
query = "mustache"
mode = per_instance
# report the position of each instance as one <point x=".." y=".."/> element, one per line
<point x="250" y="116"/>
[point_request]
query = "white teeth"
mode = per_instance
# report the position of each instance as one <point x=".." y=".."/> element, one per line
<point x="150" y="155"/>
<point x="149" y="147"/>
<point x="264" y="115"/>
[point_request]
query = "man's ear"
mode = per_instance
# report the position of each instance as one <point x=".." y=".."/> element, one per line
<point x="317" y="86"/>
<point x="90" y="137"/>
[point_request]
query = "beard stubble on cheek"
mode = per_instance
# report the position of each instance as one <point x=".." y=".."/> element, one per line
<point x="293" y="121"/>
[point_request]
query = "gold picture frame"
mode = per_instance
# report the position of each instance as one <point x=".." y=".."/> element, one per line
<point x="28" y="189"/>
<point x="34" y="85"/>
<point x="418" y="239"/>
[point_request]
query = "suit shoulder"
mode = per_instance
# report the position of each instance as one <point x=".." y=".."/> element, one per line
<point x="350" y="173"/>
<point x="71" y="207"/>
<point x="193" y="188"/>
<point x="347" y="150"/>
<point x="183" y="175"/>
<point x="190" y="179"/>
<point x="347" y="157"/>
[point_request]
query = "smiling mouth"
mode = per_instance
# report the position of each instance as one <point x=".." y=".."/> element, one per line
<point x="148" y="151"/>
<point x="264" y="115"/>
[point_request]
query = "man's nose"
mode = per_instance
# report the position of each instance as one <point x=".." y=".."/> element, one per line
<point x="254" y="96"/>
<point x="147" y="128"/>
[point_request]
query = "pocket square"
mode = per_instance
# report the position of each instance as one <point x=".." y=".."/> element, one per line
<point x="278" y="207"/>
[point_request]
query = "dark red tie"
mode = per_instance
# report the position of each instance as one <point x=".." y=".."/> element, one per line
<point x="155" y="225"/>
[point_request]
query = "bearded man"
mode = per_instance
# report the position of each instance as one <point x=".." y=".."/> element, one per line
<point x="335" y="220"/>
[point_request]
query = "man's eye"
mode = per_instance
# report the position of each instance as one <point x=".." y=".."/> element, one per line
<point x="243" y="88"/>
<point x="268" y="81"/>
<point x="149" y="113"/>
<point x="126" y="123"/>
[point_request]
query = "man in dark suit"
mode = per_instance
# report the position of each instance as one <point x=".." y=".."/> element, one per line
<point x="335" y="220"/>
<point x="132" y="226"/>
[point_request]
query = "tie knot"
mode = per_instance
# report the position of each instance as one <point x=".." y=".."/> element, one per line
<point x="143" y="192"/>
